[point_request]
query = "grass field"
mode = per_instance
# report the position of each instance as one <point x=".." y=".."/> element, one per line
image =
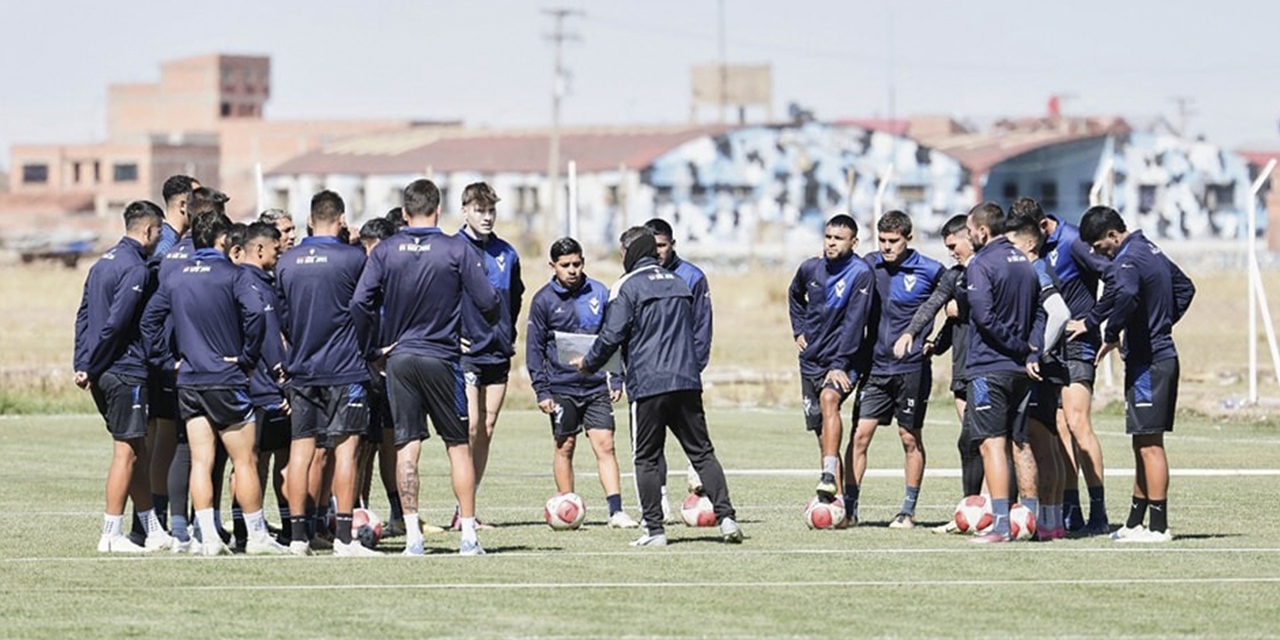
<point x="1219" y="577"/>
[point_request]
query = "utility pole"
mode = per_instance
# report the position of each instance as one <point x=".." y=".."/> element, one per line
<point x="1184" y="111"/>
<point x="724" y="64"/>
<point x="559" y="80"/>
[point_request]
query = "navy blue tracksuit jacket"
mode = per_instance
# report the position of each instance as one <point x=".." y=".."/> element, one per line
<point x="264" y="385"/>
<point x="215" y="315"/>
<point x="830" y="305"/>
<point x="1079" y="270"/>
<point x="107" y="335"/>
<point x="1152" y="294"/>
<point x="555" y="308"/>
<point x="317" y="279"/>
<point x="697" y="281"/>
<point x="1002" y="293"/>
<point x="411" y="293"/>
<point x="494" y="342"/>
<point x="900" y="290"/>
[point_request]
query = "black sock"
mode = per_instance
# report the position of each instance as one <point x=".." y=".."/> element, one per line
<point x="344" y="528"/>
<point x="298" y="528"/>
<point x="1159" y="515"/>
<point x="238" y="526"/>
<point x="397" y="513"/>
<point x="615" y="503"/>
<point x="311" y="522"/>
<point x="1137" y="511"/>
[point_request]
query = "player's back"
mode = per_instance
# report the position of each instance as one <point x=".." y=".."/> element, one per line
<point x="207" y="320"/>
<point x="317" y="279"/>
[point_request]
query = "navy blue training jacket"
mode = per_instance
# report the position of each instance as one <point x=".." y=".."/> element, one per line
<point x="316" y="279"/>
<point x="411" y="293"/>
<point x="900" y="290"/>
<point x="115" y="292"/>
<point x="697" y="281"/>
<point x="830" y="305"/>
<point x="650" y="317"/>
<point x="264" y="385"/>
<point x="494" y="343"/>
<point x="555" y="308"/>
<point x="1003" y="293"/>
<point x="1152" y="294"/>
<point x="215" y="315"/>
<point x="1079" y="271"/>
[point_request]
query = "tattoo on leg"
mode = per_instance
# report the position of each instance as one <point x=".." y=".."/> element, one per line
<point x="408" y="481"/>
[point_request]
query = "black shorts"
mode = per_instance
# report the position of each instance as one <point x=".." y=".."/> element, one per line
<point x="901" y="396"/>
<point x="122" y="402"/>
<point x="379" y="407"/>
<point x="420" y="387"/>
<point x="223" y="407"/>
<point x="1080" y="357"/>
<point x="573" y="414"/>
<point x="811" y="388"/>
<point x="162" y="395"/>
<point x="483" y="375"/>
<point x="1150" y="396"/>
<point x="997" y="406"/>
<point x="959" y="386"/>
<point x="1046" y="399"/>
<point x="326" y="412"/>
<point x="274" y="427"/>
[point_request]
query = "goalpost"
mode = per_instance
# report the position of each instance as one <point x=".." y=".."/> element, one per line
<point x="1095" y="199"/>
<point x="1257" y="293"/>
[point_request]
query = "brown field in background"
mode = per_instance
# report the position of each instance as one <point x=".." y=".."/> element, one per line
<point x="753" y="357"/>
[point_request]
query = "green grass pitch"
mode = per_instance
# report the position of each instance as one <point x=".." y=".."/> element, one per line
<point x="1219" y="577"/>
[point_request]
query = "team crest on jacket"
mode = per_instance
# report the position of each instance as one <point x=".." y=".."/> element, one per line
<point x="1053" y="257"/>
<point x="594" y="303"/>
<point x="909" y="281"/>
<point x="840" y="288"/>
<point x="502" y="262"/>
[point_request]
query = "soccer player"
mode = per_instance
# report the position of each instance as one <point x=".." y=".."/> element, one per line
<point x="283" y="222"/>
<point x="408" y="315"/>
<point x="328" y="378"/>
<point x="218" y="329"/>
<point x="1151" y="295"/>
<point x="898" y="386"/>
<point x="1047" y="367"/>
<point x="1002" y="291"/>
<point x="111" y="362"/>
<point x="576" y="402"/>
<point x="1079" y="270"/>
<point x="702" y="323"/>
<point x="830" y="300"/>
<point x="487" y="348"/>
<point x="650" y="316"/>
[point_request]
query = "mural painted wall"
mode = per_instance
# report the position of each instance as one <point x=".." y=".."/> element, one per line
<point x="1058" y="176"/>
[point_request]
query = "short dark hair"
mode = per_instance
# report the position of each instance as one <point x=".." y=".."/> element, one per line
<point x="236" y="235"/>
<point x="844" y="221"/>
<point x="660" y="227"/>
<point x="273" y="215"/>
<point x="207" y="228"/>
<point x="1098" y="221"/>
<point x="479" y="193"/>
<point x="631" y="235"/>
<point x="989" y="215"/>
<point x="177" y="186"/>
<point x="396" y="217"/>
<point x="205" y="196"/>
<point x="262" y="231"/>
<point x="1024" y="224"/>
<point x="565" y="247"/>
<point x="1025" y="206"/>
<point x="141" y="212"/>
<point x="377" y="229"/>
<point x="421" y="198"/>
<point x="956" y="224"/>
<point x="895" y="221"/>
<point x="327" y="207"/>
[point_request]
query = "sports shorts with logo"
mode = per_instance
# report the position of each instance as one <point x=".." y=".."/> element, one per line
<point x="479" y="374"/>
<point x="573" y="414"/>
<point x="997" y="406"/>
<point x="1150" y="396"/>
<point x="422" y="387"/>
<point x="901" y="396"/>
<point x="811" y="388"/>
<point x="222" y="406"/>
<point x="325" y="412"/>
<point x="122" y="402"/>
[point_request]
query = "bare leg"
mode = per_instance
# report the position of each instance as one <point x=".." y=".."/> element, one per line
<point x="606" y="460"/>
<point x="490" y="398"/>
<point x="301" y="454"/>
<point x="120" y="474"/>
<point x="463" y="476"/>
<point x="202" y="441"/>
<point x="913" y="448"/>
<point x="407" y="476"/>
<point x="562" y="464"/>
<point x="345" y="449"/>
<point x="1025" y="464"/>
<point x="239" y="443"/>
<point x="1077" y="402"/>
<point x="859" y="444"/>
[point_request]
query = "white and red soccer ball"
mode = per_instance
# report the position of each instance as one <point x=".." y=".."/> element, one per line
<point x="973" y="515"/>
<point x="697" y="511"/>
<point x="565" y="511"/>
<point x="366" y="527"/>
<point x="1022" y="523"/>
<point x="824" y="515"/>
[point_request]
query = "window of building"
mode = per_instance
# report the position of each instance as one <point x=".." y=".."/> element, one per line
<point x="35" y="173"/>
<point x="1220" y="196"/>
<point x="911" y="194"/>
<point x="611" y="196"/>
<point x="1010" y="191"/>
<point x="226" y="109"/>
<point x="1049" y="196"/>
<point x="1146" y="198"/>
<point x="124" y="172"/>
<point x="75" y="172"/>
<point x="97" y="171"/>
<point x="1086" y="188"/>
<point x="527" y="200"/>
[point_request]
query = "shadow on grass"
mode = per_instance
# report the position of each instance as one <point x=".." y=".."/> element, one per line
<point x="453" y="550"/>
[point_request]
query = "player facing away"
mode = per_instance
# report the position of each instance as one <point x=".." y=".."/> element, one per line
<point x="408" y="316"/>
<point x="328" y="379"/>
<point x="111" y="362"/>
<point x="576" y="402"/>
<point x="1078" y="270"/>
<point x="1151" y="295"/>
<point x="702" y="326"/>
<point x="218" y="330"/>
<point x="487" y="348"/>
<point x="898" y="386"/>
<point x="650" y="317"/>
<point x="829" y="303"/>
<point x="1002" y="291"/>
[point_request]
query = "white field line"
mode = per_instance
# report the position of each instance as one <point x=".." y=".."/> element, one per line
<point x="562" y="586"/>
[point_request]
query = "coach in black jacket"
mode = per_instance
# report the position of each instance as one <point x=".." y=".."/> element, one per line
<point x="650" y="316"/>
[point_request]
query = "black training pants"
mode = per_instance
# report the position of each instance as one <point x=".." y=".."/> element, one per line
<point x="680" y="411"/>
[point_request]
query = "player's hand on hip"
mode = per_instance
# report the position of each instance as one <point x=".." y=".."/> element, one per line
<point x="801" y="343"/>
<point x="465" y="344"/>
<point x="1102" y="353"/>
<point x="82" y="379"/>
<point x="576" y="363"/>
<point x="547" y="406"/>
<point x="926" y="348"/>
<point x="1033" y="370"/>
<point x="903" y="346"/>
<point x="1075" y="329"/>
<point x="615" y="395"/>
<point x="840" y="379"/>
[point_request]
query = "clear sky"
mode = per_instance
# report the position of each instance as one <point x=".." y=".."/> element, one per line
<point x="487" y="62"/>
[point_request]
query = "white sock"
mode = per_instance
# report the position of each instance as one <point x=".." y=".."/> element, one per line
<point x="664" y="490"/>
<point x="257" y="525"/>
<point x="830" y="464"/>
<point x="468" y="529"/>
<point x="150" y="522"/>
<point x="208" y="530"/>
<point x="412" y="530"/>
<point x="112" y="525"/>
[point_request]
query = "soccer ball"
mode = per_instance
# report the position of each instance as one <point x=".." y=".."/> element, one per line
<point x="973" y="515"/>
<point x="1022" y="523"/>
<point x="697" y="511"/>
<point x="824" y="515"/>
<point x="565" y="511"/>
<point x="367" y="527"/>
